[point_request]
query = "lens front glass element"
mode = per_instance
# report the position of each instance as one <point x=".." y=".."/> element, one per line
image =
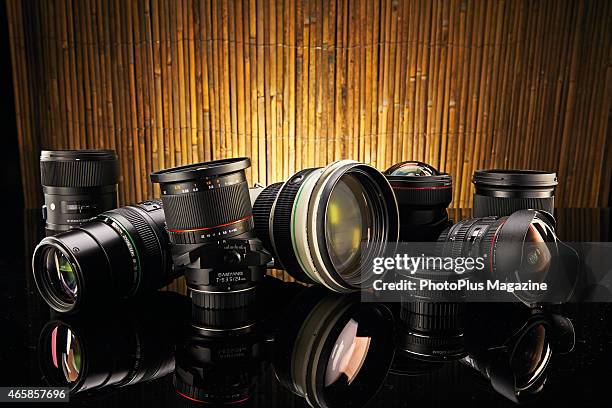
<point x="66" y="354"/>
<point x="60" y="275"/>
<point x="348" y="223"/>
<point x="413" y="169"/>
<point x="536" y="253"/>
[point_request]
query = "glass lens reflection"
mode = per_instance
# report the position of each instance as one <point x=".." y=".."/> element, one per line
<point x="66" y="353"/>
<point x="531" y="356"/>
<point x="348" y="355"/>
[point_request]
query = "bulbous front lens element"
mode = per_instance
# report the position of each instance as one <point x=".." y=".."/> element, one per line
<point x="325" y="225"/>
<point x="412" y="168"/>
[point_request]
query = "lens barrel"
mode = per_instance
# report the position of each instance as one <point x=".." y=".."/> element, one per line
<point x="120" y="254"/>
<point x="77" y="186"/>
<point x="423" y="195"/>
<point x="210" y="223"/>
<point x="325" y="225"/>
<point x="503" y="192"/>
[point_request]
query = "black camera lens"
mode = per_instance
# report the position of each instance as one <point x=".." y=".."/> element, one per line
<point x="209" y="218"/>
<point x="503" y="192"/>
<point x="423" y="195"/>
<point x="325" y="225"/>
<point x="121" y="253"/>
<point x="77" y="185"/>
<point x="334" y="350"/>
<point x="519" y="249"/>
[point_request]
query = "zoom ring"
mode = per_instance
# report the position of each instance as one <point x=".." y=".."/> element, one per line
<point x="208" y="208"/>
<point x="77" y="174"/>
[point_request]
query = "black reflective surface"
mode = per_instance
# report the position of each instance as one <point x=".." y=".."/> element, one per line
<point x="302" y="346"/>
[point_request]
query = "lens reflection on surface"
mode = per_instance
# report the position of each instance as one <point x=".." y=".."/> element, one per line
<point x="530" y="356"/>
<point x="66" y="353"/>
<point x="347" y="222"/>
<point x="348" y="355"/>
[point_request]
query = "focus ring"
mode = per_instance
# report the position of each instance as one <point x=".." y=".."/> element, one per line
<point x="152" y="252"/>
<point x="281" y="225"/>
<point x="485" y="206"/>
<point x="261" y="212"/>
<point x="79" y="173"/>
<point x="208" y="208"/>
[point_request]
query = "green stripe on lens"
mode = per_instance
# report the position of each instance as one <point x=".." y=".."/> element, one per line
<point x="133" y="245"/>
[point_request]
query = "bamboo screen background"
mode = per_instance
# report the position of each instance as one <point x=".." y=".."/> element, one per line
<point x="459" y="84"/>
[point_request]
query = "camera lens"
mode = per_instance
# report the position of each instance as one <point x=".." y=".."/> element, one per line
<point x="503" y="192"/>
<point x="324" y="225"/>
<point x="423" y="194"/>
<point x="209" y="218"/>
<point x="334" y="350"/>
<point x="516" y="249"/>
<point x="121" y="253"/>
<point x="77" y="185"/>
